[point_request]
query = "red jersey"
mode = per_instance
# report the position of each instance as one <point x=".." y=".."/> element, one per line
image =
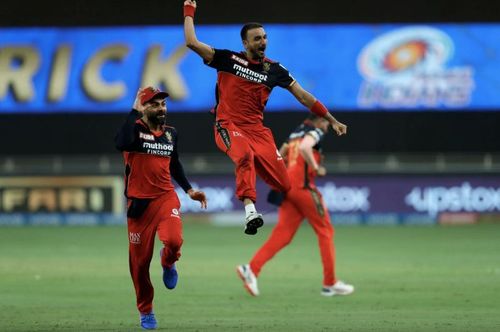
<point x="299" y="172"/>
<point x="150" y="158"/>
<point x="244" y="85"/>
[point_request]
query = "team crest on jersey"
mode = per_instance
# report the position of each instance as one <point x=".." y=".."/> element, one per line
<point x="266" y="66"/>
<point x="168" y="135"/>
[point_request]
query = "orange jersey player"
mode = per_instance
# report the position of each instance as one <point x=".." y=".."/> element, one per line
<point x="151" y="159"/>
<point x="303" y="201"/>
<point x="244" y="83"/>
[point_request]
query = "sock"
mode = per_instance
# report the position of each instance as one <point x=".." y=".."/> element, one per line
<point x="249" y="209"/>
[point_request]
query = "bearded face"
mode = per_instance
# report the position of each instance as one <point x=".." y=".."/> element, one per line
<point x="256" y="43"/>
<point x="156" y="111"/>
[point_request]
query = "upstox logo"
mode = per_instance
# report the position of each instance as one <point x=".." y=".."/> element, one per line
<point x="344" y="198"/>
<point x="461" y="198"/>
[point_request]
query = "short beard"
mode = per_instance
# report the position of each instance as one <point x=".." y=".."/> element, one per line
<point x="256" y="55"/>
<point x="154" y="119"/>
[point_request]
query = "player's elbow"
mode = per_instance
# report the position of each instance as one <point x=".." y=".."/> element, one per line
<point x="191" y="44"/>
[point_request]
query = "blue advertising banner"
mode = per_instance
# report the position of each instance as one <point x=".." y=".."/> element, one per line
<point x="347" y="67"/>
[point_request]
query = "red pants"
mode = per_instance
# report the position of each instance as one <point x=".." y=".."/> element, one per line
<point x="299" y="204"/>
<point x="253" y="151"/>
<point x="162" y="216"/>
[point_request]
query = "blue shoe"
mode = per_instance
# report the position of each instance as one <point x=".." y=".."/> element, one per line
<point x="170" y="275"/>
<point x="148" y="321"/>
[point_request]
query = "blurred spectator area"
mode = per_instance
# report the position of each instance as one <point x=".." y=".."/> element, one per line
<point x="377" y="142"/>
<point x="218" y="163"/>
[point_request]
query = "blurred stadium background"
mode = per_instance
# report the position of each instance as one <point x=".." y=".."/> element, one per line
<point x="416" y="82"/>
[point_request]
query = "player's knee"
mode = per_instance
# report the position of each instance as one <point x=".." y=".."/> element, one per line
<point x="326" y="233"/>
<point x="245" y="160"/>
<point x="174" y="244"/>
<point x="175" y="247"/>
<point x="285" y="185"/>
<point x="284" y="235"/>
<point x="287" y="240"/>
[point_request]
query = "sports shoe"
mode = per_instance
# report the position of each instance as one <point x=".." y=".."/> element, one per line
<point x="339" y="288"/>
<point x="170" y="275"/>
<point x="249" y="279"/>
<point x="148" y="321"/>
<point x="253" y="221"/>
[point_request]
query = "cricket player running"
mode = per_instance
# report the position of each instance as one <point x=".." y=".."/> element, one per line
<point x="244" y="83"/>
<point x="151" y="159"/>
<point x="303" y="156"/>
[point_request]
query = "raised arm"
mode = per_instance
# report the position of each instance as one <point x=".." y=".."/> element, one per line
<point x="126" y="137"/>
<point x="202" y="49"/>
<point x="316" y="107"/>
<point x="306" y="150"/>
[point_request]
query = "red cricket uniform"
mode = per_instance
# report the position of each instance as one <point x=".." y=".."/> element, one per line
<point x="153" y="206"/>
<point x="243" y="88"/>
<point x="302" y="201"/>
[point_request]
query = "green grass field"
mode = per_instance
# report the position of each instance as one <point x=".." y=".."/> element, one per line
<point x="406" y="278"/>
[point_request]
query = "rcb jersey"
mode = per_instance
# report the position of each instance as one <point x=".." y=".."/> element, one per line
<point x="244" y="85"/>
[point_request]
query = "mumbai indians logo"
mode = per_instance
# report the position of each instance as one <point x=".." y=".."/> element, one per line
<point x="399" y="54"/>
<point x="407" y="68"/>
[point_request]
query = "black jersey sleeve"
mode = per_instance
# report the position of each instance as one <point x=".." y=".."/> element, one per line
<point x="284" y="78"/>
<point x="126" y="138"/>
<point x="176" y="169"/>
<point x="220" y="60"/>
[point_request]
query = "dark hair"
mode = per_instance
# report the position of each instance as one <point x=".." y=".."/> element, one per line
<point x="249" y="26"/>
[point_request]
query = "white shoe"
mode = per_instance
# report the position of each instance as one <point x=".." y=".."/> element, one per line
<point x="252" y="222"/>
<point x="249" y="279"/>
<point x="340" y="288"/>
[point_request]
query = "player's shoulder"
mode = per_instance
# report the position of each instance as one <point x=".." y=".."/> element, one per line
<point x="271" y="61"/>
<point x="276" y="65"/>
<point x="169" y="128"/>
<point x="298" y="132"/>
<point x="223" y="51"/>
<point x="170" y="133"/>
<point x="307" y="128"/>
<point x="139" y="123"/>
<point x="229" y="56"/>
